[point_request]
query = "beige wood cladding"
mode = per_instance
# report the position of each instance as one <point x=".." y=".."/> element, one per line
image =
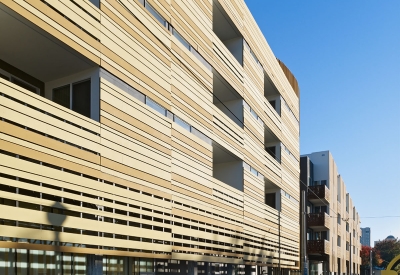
<point x="136" y="183"/>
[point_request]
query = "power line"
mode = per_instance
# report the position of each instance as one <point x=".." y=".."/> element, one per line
<point x="379" y="217"/>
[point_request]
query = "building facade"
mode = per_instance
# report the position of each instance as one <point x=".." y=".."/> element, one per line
<point x="366" y="236"/>
<point x="145" y="137"/>
<point x="332" y="222"/>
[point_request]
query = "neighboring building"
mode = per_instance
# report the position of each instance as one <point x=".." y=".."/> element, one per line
<point x="388" y="238"/>
<point x="366" y="236"/>
<point x="145" y="137"/>
<point x="333" y="224"/>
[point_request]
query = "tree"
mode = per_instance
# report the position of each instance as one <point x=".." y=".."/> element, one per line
<point x="364" y="254"/>
<point x="386" y="250"/>
<point x="365" y="259"/>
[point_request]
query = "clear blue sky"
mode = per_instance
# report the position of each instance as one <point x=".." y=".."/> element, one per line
<point x="346" y="58"/>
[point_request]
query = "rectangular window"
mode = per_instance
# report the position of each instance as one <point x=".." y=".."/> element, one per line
<point x="347" y="226"/>
<point x="181" y="123"/>
<point x="181" y="39"/>
<point x="155" y="106"/>
<point x="155" y="14"/>
<point x="24" y="85"/>
<point x="338" y="241"/>
<point x="81" y="97"/>
<point x="75" y="97"/>
<point x="61" y="95"/>
<point x="339" y="219"/>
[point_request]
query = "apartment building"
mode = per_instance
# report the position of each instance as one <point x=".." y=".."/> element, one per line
<point x="332" y="222"/>
<point x="365" y="236"/>
<point x="145" y="137"/>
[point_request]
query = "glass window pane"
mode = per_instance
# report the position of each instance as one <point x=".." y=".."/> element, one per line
<point x="156" y="15"/>
<point x="113" y="265"/>
<point x="79" y="264"/>
<point x="61" y="95"/>
<point x="67" y="264"/>
<point x="155" y="106"/>
<point x="181" y="39"/>
<point x="24" y="85"/>
<point x="22" y="261"/>
<point x="7" y="259"/>
<point x="81" y="97"/>
<point x="182" y="123"/>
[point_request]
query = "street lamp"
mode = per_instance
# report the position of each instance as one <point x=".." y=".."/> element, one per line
<point x="370" y="262"/>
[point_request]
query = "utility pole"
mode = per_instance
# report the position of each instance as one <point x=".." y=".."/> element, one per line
<point x="370" y="262"/>
<point x="279" y="242"/>
<point x="350" y="253"/>
<point x="303" y="238"/>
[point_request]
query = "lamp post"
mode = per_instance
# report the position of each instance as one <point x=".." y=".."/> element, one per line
<point x="370" y="262"/>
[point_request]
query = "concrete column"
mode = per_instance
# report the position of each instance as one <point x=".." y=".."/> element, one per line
<point x="94" y="264"/>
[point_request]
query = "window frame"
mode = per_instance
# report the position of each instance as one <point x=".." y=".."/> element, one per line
<point x="71" y="94"/>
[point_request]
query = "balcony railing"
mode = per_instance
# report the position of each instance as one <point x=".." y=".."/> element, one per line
<point x="318" y="193"/>
<point x="318" y="247"/>
<point x="318" y="220"/>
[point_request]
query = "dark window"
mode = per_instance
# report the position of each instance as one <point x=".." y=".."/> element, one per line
<point x="270" y="200"/>
<point x="81" y="97"/>
<point x="271" y="151"/>
<point x="61" y="96"/>
<point x="24" y="85"/>
<point x="273" y="104"/>
<point x="77" y="99"/>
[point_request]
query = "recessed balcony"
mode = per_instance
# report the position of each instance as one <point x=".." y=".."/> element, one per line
<point x="318" y="221"/>
<point x="227" y="167"/>
<point x="318" y="247"/>
<point x="272" y="94"/>
<point x="227" y="32"/>
<point x="272" y="144"/>
<point x="319" y="194"/>
<point x="39" y="62"/>
<point x="227" y="99"/>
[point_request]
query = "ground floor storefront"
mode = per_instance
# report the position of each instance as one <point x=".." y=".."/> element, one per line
<point x="39" y="262"/>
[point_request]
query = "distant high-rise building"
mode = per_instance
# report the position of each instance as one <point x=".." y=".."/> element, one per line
<point x="365" y="236"/>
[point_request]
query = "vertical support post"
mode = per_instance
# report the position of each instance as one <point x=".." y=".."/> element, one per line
<point x="279" y="242"/>
<point x="350" y="255"/>
<point x="370" y="262"/>
<point x="303" y="232"/>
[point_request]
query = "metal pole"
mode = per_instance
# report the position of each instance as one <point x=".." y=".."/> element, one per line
<point x="350" y="253"/>
<point x="370" y="262"/>
<point x="279" y="242"/>
<point x="303" y="237"/>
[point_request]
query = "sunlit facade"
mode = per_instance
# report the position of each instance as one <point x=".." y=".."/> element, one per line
<point x="145" y="137"/>
<point x="332" y="223"/>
